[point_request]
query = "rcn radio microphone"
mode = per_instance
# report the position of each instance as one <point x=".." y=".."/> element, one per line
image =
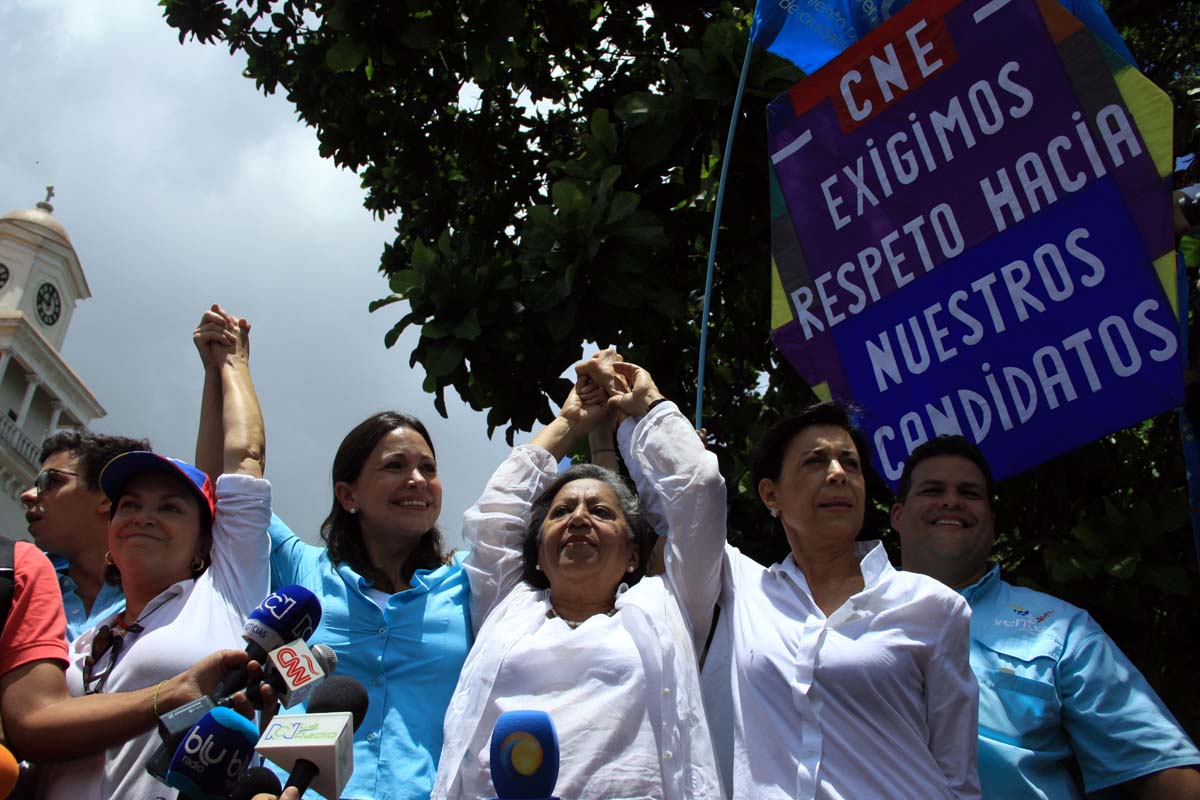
<point x="213" y="756"/>
<point x="317" y="748"/>
<point x="524" y="756"/>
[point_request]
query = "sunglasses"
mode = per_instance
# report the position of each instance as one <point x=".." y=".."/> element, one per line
<point x="107" y="640"/>
<point x="46" y="478"/>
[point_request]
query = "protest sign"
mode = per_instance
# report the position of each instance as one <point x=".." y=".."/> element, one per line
<point x="971" y="233"/>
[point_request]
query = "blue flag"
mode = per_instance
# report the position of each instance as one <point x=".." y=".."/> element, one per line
<point x="811" y="33"/>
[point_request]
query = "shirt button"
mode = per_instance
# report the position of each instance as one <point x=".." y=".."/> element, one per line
<point x="383" y="630"/>
<point x="75" y="611"/>
<point x="667" y="755"/>
<point x="666" y="692"/>
<point x="377" y="680"/>
<point x="371" y="736"/>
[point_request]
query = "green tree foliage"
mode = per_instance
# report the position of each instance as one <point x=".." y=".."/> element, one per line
<point x="554" y="166"/>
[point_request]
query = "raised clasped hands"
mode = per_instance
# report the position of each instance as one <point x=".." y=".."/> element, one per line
<point x="221" y="335"/>
<point x="626" y="388"/>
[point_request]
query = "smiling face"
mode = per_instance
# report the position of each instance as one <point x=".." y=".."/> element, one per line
<point x="397" y="493"/>
<point x="946" y="524"/>
<point x="585" y="537"/>
<point x="820" y="493"/>
<point x="156" y="532"/>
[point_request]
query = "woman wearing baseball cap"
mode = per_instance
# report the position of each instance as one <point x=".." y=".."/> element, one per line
<point x="191" y="559"/>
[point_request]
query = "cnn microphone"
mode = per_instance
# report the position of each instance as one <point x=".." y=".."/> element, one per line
<point x="317" y="748"/>
<point x="290" y="612"/>
<point x="213" y="756"/>
<point x="524" y="756"/>
<point x="294" y="671"/>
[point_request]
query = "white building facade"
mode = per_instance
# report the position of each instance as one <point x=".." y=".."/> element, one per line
<point x="41" y="281"/>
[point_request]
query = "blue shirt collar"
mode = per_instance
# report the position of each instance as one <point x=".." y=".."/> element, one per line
<point x="989" y="581"/>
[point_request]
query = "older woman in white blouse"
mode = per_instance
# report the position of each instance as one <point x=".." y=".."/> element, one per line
<point x="837" y="676"/>
<point x="560" y="630"/>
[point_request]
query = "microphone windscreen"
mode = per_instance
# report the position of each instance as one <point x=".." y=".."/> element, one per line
<point x="524" y="755"/>
<point x="290" y="612"/>
<point x="10" y="771"/>
<point x="340" y="693"/>
<point x="326" y="657"/>
<point x="213" y="755"/>
<point x="259" y="780"/>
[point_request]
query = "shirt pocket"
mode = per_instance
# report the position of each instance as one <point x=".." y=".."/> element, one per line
<point x="1018" y="696"/>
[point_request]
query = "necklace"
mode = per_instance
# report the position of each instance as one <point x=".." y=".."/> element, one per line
<point x="574" y="623"/>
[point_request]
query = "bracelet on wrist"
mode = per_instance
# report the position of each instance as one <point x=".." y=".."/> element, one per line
<point x="650" y="407"/>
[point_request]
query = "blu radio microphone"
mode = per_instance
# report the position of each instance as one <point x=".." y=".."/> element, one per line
<point x="524" y="756"/>
<point x="317" y="748"/>
<point x="213" y="756"/>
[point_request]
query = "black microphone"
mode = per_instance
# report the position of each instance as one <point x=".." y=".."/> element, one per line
<point x="258" y="780"/>
<point x="318" y="747"/>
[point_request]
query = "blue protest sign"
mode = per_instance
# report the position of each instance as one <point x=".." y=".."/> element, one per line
<point x="974" y="238"/>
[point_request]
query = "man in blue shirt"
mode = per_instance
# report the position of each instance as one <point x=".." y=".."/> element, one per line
<point x="1058" y="700"/>
<point x="68" y="518"/>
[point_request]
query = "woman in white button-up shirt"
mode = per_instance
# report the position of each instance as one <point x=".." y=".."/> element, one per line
<point x="831" y="675"/>
<point x="560" y="630"/>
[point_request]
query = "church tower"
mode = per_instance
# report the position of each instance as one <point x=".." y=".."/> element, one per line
<point x="41" y="281"/>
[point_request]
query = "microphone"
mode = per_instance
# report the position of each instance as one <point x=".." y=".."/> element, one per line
<point x="293" y="671"/>
<point x="258" y="780"/>
<point x="290" y="612"/>
<point x="10" y="771"/>
<point x="524" y="756"/>
<point x="213" y="756"/>
<point x="317" y="748"/>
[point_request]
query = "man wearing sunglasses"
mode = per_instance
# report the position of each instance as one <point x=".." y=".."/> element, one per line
<point x="68" y="519"/>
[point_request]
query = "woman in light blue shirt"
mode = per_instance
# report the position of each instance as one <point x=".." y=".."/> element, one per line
<point x="394" y="606"/>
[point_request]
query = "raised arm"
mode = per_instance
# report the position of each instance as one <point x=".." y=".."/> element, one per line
<point x="495" y="527"/>
<point x="212" y="331"/>
<point x="232" y="438"/>
<point x="681" y="486"/>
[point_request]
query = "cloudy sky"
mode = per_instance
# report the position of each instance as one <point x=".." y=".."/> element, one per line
<point x="181" y="186"/>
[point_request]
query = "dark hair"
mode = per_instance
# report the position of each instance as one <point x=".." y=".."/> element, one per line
<point x="112" y="574"/>
<point x="631" y="507"/>
<point x="945" y="446"/>
<point x="341" y="530"/>
<point x="767" y="459"/>
<point x="93" y="451"/>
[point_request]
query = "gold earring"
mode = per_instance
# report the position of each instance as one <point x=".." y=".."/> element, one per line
<point x="198" y="563"/>
<point x="108" y="558"/>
